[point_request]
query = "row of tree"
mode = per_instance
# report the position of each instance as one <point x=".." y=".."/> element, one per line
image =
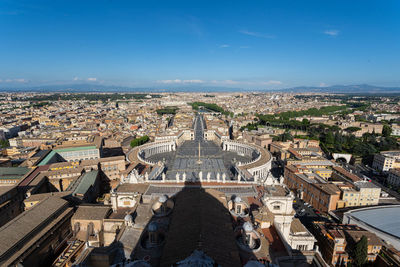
<point x="170" y="110"/>
<point x="311" y="112"/>
<point x="210" y="106"/>
<point x="139" y="141"/>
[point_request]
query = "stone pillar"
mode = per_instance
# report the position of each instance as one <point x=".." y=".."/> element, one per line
<point x="223" y="177"/>
<point x="218" y="176"/>
<point x="114" y="202"/>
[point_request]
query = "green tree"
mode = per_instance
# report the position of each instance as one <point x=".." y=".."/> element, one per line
<point x="139" y="141"/>
<point x="171" y="110"/>
<point x="329" y="138"/>
<point x="387" y="130"/>
<point x="4" y="143"/>
<point x="285" y="136"/>
<point x="352" y="129"/>
<point x="360" y="252"/>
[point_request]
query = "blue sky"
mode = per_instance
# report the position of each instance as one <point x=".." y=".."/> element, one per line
<point x="249" y="44"/>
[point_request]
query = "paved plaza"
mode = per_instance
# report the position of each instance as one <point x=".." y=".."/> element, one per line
<point x="213" y="159"/>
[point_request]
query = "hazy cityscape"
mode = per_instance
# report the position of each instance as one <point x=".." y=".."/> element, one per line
<point x="191" y="133"/>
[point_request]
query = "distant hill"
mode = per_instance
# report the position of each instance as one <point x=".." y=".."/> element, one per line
<point x="75" y="88"/>
<point x="345" y="89"/>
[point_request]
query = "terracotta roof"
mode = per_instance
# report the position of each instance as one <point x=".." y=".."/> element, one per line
<point x="22" y="228"/>
<point x="91" y="212"/>
<point x="130" y="188"/>
<point x="347" y="174"/>
<point x="297" y="227"/>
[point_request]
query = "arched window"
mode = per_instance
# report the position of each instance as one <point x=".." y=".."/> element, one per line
<point x="248" y="238"/>
<point x="90" y="229"/>
<point x="239" y="209"/>
<point x="153" y="237"/>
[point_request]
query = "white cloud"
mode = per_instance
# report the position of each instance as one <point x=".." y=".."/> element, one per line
<point x="332" y="32"/>
<point x="193" y="81"/>
<point x="170" y="81"/>
<point x="19" y="80"/>
<point x="230" y="82"/>
<point x="224" y="46"/>
<point x="225" y="82"/>
<point x="256" y="83"/>
<point x="76" y="79"/>
<point x="272" y="82"/>
<point x="179" y="81"/>
<point x="257" y="34"/>
<point x="92" y="79"/>
<point x="323" y="85"/>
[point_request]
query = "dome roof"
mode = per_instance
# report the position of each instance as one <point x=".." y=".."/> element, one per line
<point x="198" y="258"/>
<point x="153" y="227"/>
<point x="163" y="199"/>
<point x="248" y="227"/>
<point x="138" y="263"/>
<point x="128" y="218"/>
<point x="254" y="264"/>
<point x="237" y="199"/>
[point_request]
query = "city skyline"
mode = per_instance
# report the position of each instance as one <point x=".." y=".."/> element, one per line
<point x="199" y="133"/>
<point x="181" y="44"/>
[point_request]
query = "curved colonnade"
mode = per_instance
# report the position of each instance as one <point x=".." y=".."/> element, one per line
<point x="143" y="152"/>
<point x="251" y="171"/>
<point x="258" y="167"/>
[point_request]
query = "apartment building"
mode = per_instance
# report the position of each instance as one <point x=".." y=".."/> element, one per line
<point x="395" y="130"/>
<point x="329" y="188"/>
<point x="394" y="177"/>
<point x="312" y="188"/>
<point x="364" y="193"/>
<point x="336" y="242"/>
<point x="255" y="137"/>
<point x="386" y="160"/>
<point x="298" y="149"/>
<point x="62" y="174"/>
<point x="355" y="191"/>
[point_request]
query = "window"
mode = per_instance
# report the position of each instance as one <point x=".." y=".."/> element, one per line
<point x="248" y="238"/>
<point x="152" y="238"/>
<point x="238" y="209"/>
<point x="277" y="207"/>
<point x="301" y="247"/>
